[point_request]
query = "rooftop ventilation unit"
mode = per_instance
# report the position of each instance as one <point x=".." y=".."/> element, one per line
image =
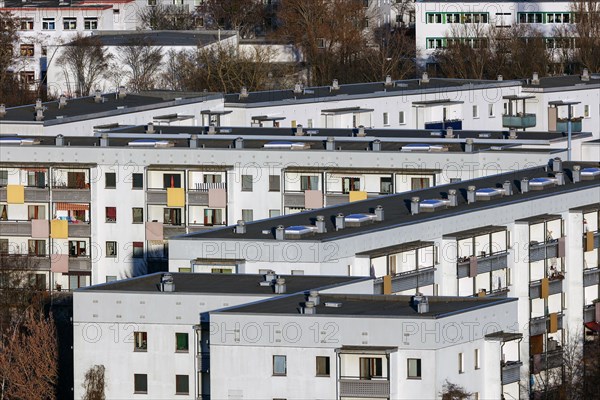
<point x="421" y="303"/>
<point x="243" y="93"/>
<point x="166" y="283"/>
<point x="512" y="133"/>
<point x="414" y="205"/>
<point x="524" y="185"/>
<point x="18" y="141"/>
<point x="62" y="101"/>
<point x="488" y="193"/>
<point x="121" y="92"/>
<point x="557" y="164"/>
<point x="211" y="129"/>
<point x="585" y="75"/>
<point x="193" y="142"/>
<point x="150" y="127"/>
<point x="589" y="174"/>
<point x="379" y="214"/>
<point x="425" y="78"/>
<point x="238" y="143"/>
<point x="98" y="97"/>
<point x="335" y="85"/>
<point x="431" y="205"/>
<point x="333" y="304"/>
<point x="298" y="88"/>
<point x="309" y="308"/>
<point x="280" y="287"/>
<point x="240" y="228"/>
<point x="2" y="110"/>
<point x="355" y="220"/>
<point x="340" y="222"/>
<point x="376" y="145"/>
<point x="330" y="143"/>
<point x="500" y="78"/>
<point x="314" y="297"/>
<point x="361" y="131"/>
<point x="60" y="140"/>
<point x="421" y="147"/>
<point x="535" y="80"/>
<point x="299" y="131"/>
<point x="280" y="232"/>
<point x="542" y="183"/>
<point x="576" y="173"/>
<point x="320" y="224"/>
<point x="450" y="132"/>
<point x="452" y="198"/>
<point x="507" y="187"/>
<point x="150" y="143"/>
<point x="469" y="146"/>
<point x="38" y="105"/>
<point x="388" y="81"/>
<point x="298" y="231"/>
<point x="285" y="145"/>
<point x="471" y="196"/>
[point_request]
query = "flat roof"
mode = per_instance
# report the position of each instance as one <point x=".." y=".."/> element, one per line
<point x="222" y="283"/>
<point x="161" y="38"/>
<point x="398" y="248"/>
<point x="86" y="107"/>
<point x="397" y="207"/>
<point x="369" y="305"/>
<point x="557" y="82"/>
<point x="61" y="4"/>
<point x="475" y="232"/>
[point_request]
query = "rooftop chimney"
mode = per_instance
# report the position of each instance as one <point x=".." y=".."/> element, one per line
<point x="361" y="131"/>
<point x="469" y="145"/>
<point x="150" y="127"/>
<point x="556" y="164"/>
<point x="376" y="145"/>
<point x="240" y="228"/>
<point x="585" y="75"/>
<point x="280" y="286"/>
<point x="97" y="96"/>
<point x="298" y="88"/>
<point x="38" y="105"/>
<point x="524" y="185"/>
<point x="2" y="110"/>
<point x="560" y="178"/>
<point x="39" y="114"/>
<point x="243" y="92"/>
<point x="576" y="173"/>
<point x="104" y="140"/>
<point x="535" y="80"/>
<point x="340" y="222"/>
<point x="512" y="133"/>
<point x="471" y="194"/>
<point x="309" y="308"/>
<point x="60" y="140"/>
<point x="280" y="232"/>
<point x="507" y="186"/>
<point x="211" y="129"/>
<point x="121" y="93"/>
<point x="449" y="132"/>
<point x="500" y="78"/>
<point x="62" y="101"/>
<point x="330" y="144"/>
<point x="452" y="197"/>
<point x="314" y="297"/>
<point x="299" y="131"/>
<point x="421" y="303"/>
<point x="239" y="143"/>
<point x="270" y="276"/>
<point x="379" y="215"/>
<point x="320" y="224"/>
<point x="388" y="80"/>
<point x="166" y="283"/>
<point x="193" y="141"/>
<point x="414" y="205"/>
<point x="425" y="78"/>
<point x="335" y="85"/>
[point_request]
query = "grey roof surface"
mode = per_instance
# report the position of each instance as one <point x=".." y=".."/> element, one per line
<point x="369" y="305"/>
<point x="161" y="38"/>
<point x="222" y="283"/>
<point x="397" y="207"/>
<point x="82" y="108"/>
<point x="550" y="82"/>
<point x="33" y="4"/>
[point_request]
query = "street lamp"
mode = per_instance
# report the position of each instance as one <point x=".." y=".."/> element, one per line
<point x="569" y="104"/>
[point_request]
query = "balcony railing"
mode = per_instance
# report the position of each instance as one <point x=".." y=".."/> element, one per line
<point x="455" y="124"/>
<point x="511" y="372"/>
<point x="80" y="264"/>
<point x="203" y="361"/>
<point x="71" y="195"/>
<point x="542" y="251"/>
<point x="15" y="228"/>
<point x="535" y="288"/>
<point x="485" y="264"/>
<point x="205" y="187"/>
<point x="173" y="230"/>
<point x="519" y="121"/>
<point x="364" y="388"/>
<point x="408" y="280"/>
<point x="156" y="196"/>
<point x="589" y="313"/>
<point x="538" y="326"/>
<point x="80" y="230"/>
<point x="561" y="126"/>
<point x="198" y="198"/>
<point x="291" y="199"/>
<point x="336" y="199"/>
<point x="596" y="240"/>
<point x="36" y="194"/>
<point x="591" y="277"/>
<point x="548" y="360"/>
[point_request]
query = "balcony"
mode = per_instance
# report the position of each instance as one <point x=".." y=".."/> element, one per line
<point x="334" y="199"/>
<point x="537" y="326"/>
<point x="511" y="372"/>
<point x="37" y="195"/>
<point x="542" y="251"/>
<point x="546" y="361"/>
<point x="484" y="264"/>
<point x="519" y="121"/>
<point x="197" y="198"/>
<point x="80" y="230"/>
<point x="170" y="231"/>
<point x="535" y="288"/>
<point x="156" y="196"/>
<point x="589" y="313"/>
<point x="455" y="124"/>
<point x="295" y="200"/>
<point x="80" y="264"/>
<point x="71" y="195"/>
<point x="561" y="126"/>
<point x="379" y="389"/>
<point x="596" y="242"/>
<point x="200" y="228"/>
<point x="591" y="277"/>
<point x="408" y="280"/>
<point x="203" y="361"/>
<point x="15" y="228"/>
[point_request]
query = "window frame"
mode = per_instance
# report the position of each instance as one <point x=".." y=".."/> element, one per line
<point x="144" y="383"/>
<point x="187" y="384"/>
<point x="113" y="176"/>
<point x="134" y="177"/>
<point x="140" y="337"/>
<point x="112" y="243"/>
<point x="69" y="23"/>
<point x="47" y="22"/>
<point x="327" y="366"/>
<point x="418" y="368"/>
<point x="106" y="213"/>
<point x="133" y="216"/>
<point x="187" y="342"/>
<point x="92" y="22"/>
<point x="247" y="183"/>
<point x="284" y="358"/>
<point x="274" y="183"/>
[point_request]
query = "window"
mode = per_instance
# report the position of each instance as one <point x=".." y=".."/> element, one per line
<point x="48" y="24"/>
<point x="138" y="249"/>
<point x="137" y="215"/>
<point x="140" y="341"/>
<point x="172" y="216"/>
<point x="386" y="119"/>
<point x="37" y="248"/>
<point x="137" y="181"/>
<point x="27" y="77"/>
<point x="350" y="185"/>
<point x="414" y="368"/>
<point x="110" y="179"/>
<point x="140" y="383"/>
<point x="274" y="213"/>
<point x="69" y="24"/>
<point x="181" y="342"/>
<point x="3" y="246"/>
<point x="453" y="18"/>
<point x="248" y="215"/>
<point x="279" y="365"/>
<point x="434" y="18"/>
<point x="111" y="278"/>
<point x="171" y="181"/>
<point x="212" y="178"/>
<point x="322" y="366"/>
<point x="491" y="110"/>
<point x="221" y="270"/>
<point x="475" y="112"/>
<point x="401" y="119"/>
<point x="455" y="180"/>
<point x="27" y="50"/>
<point x="274" y="183"/>
<point x="309" y="182"/>
<point x="3" y="178"/>
<point x="419" y="183"/>
<point x="182" y="384"/>
<point x="90" y="23"/>
<point x="320" y="43"/>
<point x="461" y="363"/>
<point x="3" y="212"/>
<point x="111" y="249"/>
<point x="151" y="3"/>
<point x="38" y="281"/>
<point x="111" y="214"/>
<point x="213" y="216"/>
<point x="586" y="111"/>
<point x="36" y="212"/>
<point x="477" y="359"/>
<point x="76" y="180"/>
<point x="246" y="183"/>
<point x="26" y="24"/>
<point x="77" y="248"/>
<point x="371" y="368"/>
<point x="36" y="179"/>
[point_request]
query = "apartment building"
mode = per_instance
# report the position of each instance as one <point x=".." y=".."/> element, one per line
<point x="97" y="209"/>
<point x="530" y="234"/>
<point x="348" y="346"/>
<point x="145" y="330"/>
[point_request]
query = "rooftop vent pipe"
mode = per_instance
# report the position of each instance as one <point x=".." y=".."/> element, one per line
<point x="425" y="78"/>
<point x="379" y="215"/>
<point x="414" y="205"/>
<point x="421" y="303"/>
<point x="298" y="88"/>
<point x="560" y="178"/>
<point x="60" y="140"/>
<point x="585" y="75"/>
<point x="335" y="85"/>
<point x="62" y="101"/>
<point x="150" y="127"/>
<point x="97" y="96"/>
<point x="104" y="140"/>
<point x="471" y="194"/>
<point x="576" y="173"/>
<point x="166" y="283"/>
<point x="309" y="308"/>
<point x="240" y="228"/>
<point x="280" y="287"/>
<point x="450" y="132"/>
<point x="330" y="144"/>
<point x="452" y="198"/>
<point x="320" y="224"/>
<point x="361" y="131"/>
<point x="244" y="93"/>
<point x="211" y="129"/>
<point x="524" y="185"/>
<point x="535" y="80"/>
<point x="314" y="297"/>
<point x="2" y="110"/>
<point x="469" y="145"/>
<point x="376" y="145"/>
<point x="121" y="93"/>
<point x="239" y="143"/>
<point x="507" y="186"/>
<point x="512" y="133"/>
<point x="299" y="131"/>
<point x="280" y="232"/>
<point x="556" y="164"/>
<point x="340" y="222"/>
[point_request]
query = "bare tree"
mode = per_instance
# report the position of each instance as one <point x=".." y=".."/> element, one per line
<point x="83" y="62"/>
<point x="395" y="55"/>
<point x="587" y="33"/>
<point x="452" y="391"/>
<point x="168" y="17"/>
<point x="94" y="383"/>
<point x="142" y="62"/>
<point x="244" y="16"/>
